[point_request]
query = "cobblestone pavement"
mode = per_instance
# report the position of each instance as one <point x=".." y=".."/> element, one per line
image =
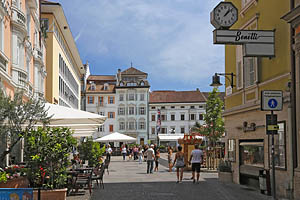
<point x="129" y="180"/>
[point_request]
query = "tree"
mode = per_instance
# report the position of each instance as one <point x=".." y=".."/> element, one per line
<point x="18" y="117"/>
<point x="214" y="124"/>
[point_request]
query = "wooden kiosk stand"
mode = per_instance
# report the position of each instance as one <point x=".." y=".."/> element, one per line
<point x="187" y="144"/>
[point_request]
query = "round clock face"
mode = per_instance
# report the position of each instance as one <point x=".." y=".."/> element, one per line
<point x="225" y="15"/>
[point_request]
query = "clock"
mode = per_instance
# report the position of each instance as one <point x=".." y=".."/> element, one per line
<point x="224" y="15"/>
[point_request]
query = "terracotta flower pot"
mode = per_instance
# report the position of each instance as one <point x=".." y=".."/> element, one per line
<point x="20" y="182"/>
<point x="58" y="194"/>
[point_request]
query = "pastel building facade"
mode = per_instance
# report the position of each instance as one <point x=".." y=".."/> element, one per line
<point x="63" y="64"/>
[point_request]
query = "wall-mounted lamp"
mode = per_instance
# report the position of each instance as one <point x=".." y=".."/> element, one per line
<point x="216" y="79"/>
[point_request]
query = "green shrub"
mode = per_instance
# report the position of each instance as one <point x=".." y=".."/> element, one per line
<point x="47" y="154"/>
<point x="91" y="151"/>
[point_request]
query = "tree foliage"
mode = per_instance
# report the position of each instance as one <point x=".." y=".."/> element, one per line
<point x="214" y="124"/>
<point x="91" y="151"/>
<point x="47" y="154"/>
<point x="18" y="117"/>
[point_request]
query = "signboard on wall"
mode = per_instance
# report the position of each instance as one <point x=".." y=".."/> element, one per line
<point x="243" y="36"/>
<point x="271" y="100"/>
<point x="258" y="50"/>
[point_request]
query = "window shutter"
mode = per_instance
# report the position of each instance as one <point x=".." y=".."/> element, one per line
<point x="113" y="100"/>
<point x="239" y="67"/>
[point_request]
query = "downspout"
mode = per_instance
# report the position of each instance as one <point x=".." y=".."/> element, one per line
<point x="292" y="132"/>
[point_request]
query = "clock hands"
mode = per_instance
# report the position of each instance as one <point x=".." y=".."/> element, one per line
<point x="229" y="10"/>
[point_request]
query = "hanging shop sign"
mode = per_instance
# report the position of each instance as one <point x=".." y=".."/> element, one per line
<point x="243" y="36"/>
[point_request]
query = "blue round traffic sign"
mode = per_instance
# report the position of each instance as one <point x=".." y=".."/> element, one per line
<point x="272" y="103"/>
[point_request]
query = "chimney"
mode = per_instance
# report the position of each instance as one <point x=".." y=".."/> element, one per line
<point x="197" y="89"/>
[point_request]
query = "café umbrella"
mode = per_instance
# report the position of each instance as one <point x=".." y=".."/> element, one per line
<point x="116" y="137"/>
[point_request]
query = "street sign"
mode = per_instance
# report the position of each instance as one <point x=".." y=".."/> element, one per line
<point x="271" y="124"/>
<point x="271" y="100"/>
<point x="258" y="50"/>
<point x="244" y="36"/>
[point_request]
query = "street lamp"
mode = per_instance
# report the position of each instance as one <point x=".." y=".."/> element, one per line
<point x="216" y="79"/>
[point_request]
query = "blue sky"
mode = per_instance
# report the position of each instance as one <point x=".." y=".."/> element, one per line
<point x="171" y="40"/>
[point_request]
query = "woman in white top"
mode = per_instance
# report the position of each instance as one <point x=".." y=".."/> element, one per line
<point x="124" y="151"/>
<point x="140" y="154"/>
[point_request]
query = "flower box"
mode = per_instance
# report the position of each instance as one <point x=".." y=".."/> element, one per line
<point x="58" y="194"/>
<point x="20" y="182"/>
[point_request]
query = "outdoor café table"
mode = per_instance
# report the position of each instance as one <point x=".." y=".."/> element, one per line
<point x="84" y="169"/>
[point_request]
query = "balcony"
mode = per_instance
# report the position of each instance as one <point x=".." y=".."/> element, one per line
<point x="18" y="18"/>
<point x="38" y="55"/>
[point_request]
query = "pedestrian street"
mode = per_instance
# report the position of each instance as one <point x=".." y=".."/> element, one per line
<point x="129" y="180"/>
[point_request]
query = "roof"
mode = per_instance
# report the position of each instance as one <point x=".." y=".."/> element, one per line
<point x="99" y="88"/>
<point x="133" y="71"/>
<point x="171" y="96"/>
<point x="221" y="95"/>
<point x="101" y="78"/>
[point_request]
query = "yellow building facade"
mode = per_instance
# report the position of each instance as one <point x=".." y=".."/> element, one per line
<point x="248" y="145"/>
<point x="63" y="63"/>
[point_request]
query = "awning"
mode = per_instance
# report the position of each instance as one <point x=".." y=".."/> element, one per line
<point x="173" y="138"/>
<point x="84" y="124"/>
<point x="116" y="137"/>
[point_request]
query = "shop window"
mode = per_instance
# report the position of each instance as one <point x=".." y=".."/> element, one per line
<point x="279" y="145"/>
<point x="231" y="150"/>
<point x="252" y="153"/>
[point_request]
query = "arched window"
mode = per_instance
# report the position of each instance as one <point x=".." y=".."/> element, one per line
<point x="105" y="86"/>
<point x="142" y="83"/>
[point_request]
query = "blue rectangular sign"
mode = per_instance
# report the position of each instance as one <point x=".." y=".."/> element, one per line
<point x="16" y="194"/>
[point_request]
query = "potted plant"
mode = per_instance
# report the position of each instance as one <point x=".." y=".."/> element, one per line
<point x="47" y="154"/>
<point x="14" y="176"/>
<point x="91" y="151"/>
<point x="225" y="172"/>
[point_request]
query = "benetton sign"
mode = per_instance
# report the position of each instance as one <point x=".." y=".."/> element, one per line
<point x="243" y="37"/>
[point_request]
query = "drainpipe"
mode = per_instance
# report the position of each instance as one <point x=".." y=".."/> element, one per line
<point x="292" y="130"/>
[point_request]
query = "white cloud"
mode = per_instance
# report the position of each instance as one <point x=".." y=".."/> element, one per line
<point x="170" y="37"/>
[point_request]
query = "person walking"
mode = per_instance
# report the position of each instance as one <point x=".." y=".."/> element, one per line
<point x="157" y="157"/>
<point x="108" y="152"/>
<point x="196" y="160"/>
<point x="140" y="155"/>
<point x="150" y="158"/>
<point x="179" y="163"/>
<point x="124" y="152"/>
<point x="170" y="151"/>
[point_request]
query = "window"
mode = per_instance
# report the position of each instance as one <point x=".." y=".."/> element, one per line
<point x="192" y="117"/>
<point x="121" y="111"/>
<point x="245" y="2"/>
<point x="111" y="115"/>
<point x="105" y="86"/>
<point x="131" y="126"/>
<point x="45" y="24"/>
<point x="250" y="71"/>
<point x="200" y="116"/>
<point x="181" y="106"/>
<point x="152" y="107"/>
<point x="239" y="66"/>
<point x="101" y="128"/>
<point x="142" y="97"/>
<point x="153" y="130"/>
<point x="200" y="106"/>
<point x="122" y="126"/>
<point x="172" y="117"/>
<point x="90" y="100"/>
<point x="131" y="111"/>
<point x="142" y="125"/>
<point x="182" y="117"/>
<point x="1" y="35"/>
<point x="163" y="107"/>
<point x="111" y="100"/>
<point x="101" y="113"/>
<point x="172" y="106"/>
<point x="163" y="130"/>
<point x="93" y="87"/>
<point x="153" y="118"/>
<point x="131" y="97"/>
<point x="101" y="100"/>
<point x="182" y="129"/>
<point x="172" y="129"/>
<point x="192" y="107"/>
<point x="121" y="97"/>
<point x="163" y="117"/>
<point x="231" y="150"/>
<point x="279" y="144"/>
<point x="142" y="110"/>
<point x="252" y="153"/>
<point x="111" y="128"/>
